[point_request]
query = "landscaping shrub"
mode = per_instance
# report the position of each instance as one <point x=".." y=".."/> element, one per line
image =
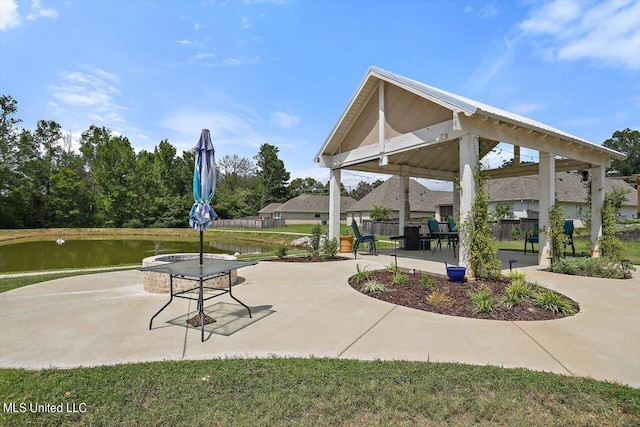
<point x="593" y="267"/>
<point x="362" y="273"/>
<point x="554" y="302"/>
<point x="438" y="299"/>
<point x="482" y="299"/>
<point x="428" y="282"/>
<point x="314" y="245"/>
<point x="330" y="248"/>
<point x="481" y="250"/>
<point x="515" y="293"/>
<point x="556" y="231"/>
<point x="611" y="247"/>
<point x="516" y="233"/>
<point x="373" y="286"/>
<point x="282" y="251"/>
<point x="399" y="279"/>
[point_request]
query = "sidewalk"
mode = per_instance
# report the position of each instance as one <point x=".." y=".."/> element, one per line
<point x="304" y="310"/>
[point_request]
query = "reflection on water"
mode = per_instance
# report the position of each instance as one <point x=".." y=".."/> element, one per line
<point x="48" y="255"/>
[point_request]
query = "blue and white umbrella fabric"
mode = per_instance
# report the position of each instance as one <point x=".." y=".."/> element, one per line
<point x="204" y="184"/>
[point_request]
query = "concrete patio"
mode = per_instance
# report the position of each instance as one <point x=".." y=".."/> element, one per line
<point x="304" y="310"/>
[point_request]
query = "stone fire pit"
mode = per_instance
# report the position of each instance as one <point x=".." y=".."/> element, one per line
<point x="159" y="282"/>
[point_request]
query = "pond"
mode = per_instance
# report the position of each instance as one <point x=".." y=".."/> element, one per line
<point x="48" y="255"/>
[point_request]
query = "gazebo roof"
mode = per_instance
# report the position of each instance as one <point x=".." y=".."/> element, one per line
<point x="422" y="125"/>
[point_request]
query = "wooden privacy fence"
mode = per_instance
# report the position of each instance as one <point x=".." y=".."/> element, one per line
<point x="249" y="223"/>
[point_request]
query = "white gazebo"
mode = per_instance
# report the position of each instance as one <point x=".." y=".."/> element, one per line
<point x="395" y="125"/>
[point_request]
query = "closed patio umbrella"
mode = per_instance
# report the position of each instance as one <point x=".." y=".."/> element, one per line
<point x="202" y="214"/>
<point x="204" y="186"/>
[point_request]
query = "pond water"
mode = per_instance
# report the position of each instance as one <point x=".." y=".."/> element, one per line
<point x="48" y="255"/>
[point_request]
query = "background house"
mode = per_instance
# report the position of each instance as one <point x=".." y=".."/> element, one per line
<point x="310" y="209"/>
<point x="423" y="202"/>
<point x="521" y="193"/>
<point x="270" y="211"/>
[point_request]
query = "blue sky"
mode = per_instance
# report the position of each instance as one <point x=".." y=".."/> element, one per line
<point x="282" y="72"/>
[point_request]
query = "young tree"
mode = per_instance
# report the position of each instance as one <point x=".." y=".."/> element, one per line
<point x="628" y="142"/>
<point x="272" y="174"/>
<point x="481" y="247"/>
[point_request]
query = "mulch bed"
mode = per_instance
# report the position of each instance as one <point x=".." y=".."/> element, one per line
<point x="307" y="259"/>
<point x="412" y="294"/>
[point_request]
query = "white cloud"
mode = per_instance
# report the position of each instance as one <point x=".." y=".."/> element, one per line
<point x="9" y="15"/>
<point x="285" y="120"/>
<point x="184" y="42"/>
<point x="491" y="66"/>
<point x="197" y="26"/>
<point x="467" y="9"/>
<point x="204" y="55"/>
<point x="38" y="12"/>
<point x="92" y="90"/>
<point x="488" y="10"/>
<point x="607" y="33"/>
<point x="245" y="23"/>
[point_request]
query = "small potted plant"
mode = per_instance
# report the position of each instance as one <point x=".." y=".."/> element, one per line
<point x="346" y="242"/>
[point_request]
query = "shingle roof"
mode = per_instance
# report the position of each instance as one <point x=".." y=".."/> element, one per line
<point x="421" y="199"/>
<point x="313" y="203"/>
<point x="569" y="188"/>
<point x="270" y="208"/>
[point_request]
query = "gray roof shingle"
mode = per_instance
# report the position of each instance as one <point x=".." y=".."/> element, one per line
<point x="421" y="199"/>
<point x="569" y="188"/>
<point x="313" y="203"/>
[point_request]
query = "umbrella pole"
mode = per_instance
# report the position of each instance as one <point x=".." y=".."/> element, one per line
<point x="201" y="247"/>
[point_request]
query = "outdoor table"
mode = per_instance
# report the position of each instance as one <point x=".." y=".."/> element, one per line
<point x="191" y="269"/>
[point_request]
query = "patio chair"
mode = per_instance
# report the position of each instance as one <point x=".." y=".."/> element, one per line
<point x="568" y="231"/>
<point x="434" y="229"/>
<point x="531" y="237"/>
<point x="360" y="238"/>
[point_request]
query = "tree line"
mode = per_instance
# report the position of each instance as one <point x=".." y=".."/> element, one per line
<point x="45" y="183"/>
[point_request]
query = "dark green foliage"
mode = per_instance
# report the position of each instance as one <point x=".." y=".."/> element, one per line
<point x="554" y="302"/>
<point x="482" y="299"/>
<point x="314" y="245"/>
<point x="611" y="247"/>
<point x="330" y="248"/>
<point x="380" y="213"/>
<point x="481" y="250"/>
<point x="593" y="267"/>
<point x="556" y="232"/>
<point x="428" y="282"/>
<point x="272" y="175"/>
<point x="281" y="251"/>
<point x="628" y="142"/>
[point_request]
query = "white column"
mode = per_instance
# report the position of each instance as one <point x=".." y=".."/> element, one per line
<point x="547" y="183"/>
<point x="469" y="153"/>
<point x="597" y="200"/>
<point x="334" y="204"/>
<point x="403" y="194"/>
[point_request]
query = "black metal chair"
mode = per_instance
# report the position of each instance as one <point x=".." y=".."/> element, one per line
<point x="362" y="238"/>
<point x="531" y="237"/>
<point x="568" y="231"/>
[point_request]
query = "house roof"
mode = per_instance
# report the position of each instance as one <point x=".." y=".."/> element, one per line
<point x="569" y="189"/>
<point x="419" y="116"/>
<point x="270" y="208"/>
<point x="421" y="199"/>
<point x="313" y="203"/>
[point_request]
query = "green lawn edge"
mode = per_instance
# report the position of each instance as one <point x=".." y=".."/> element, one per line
<point x="314" y="392"/>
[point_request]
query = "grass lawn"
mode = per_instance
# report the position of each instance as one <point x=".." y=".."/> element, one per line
<point x="315" y="392"/>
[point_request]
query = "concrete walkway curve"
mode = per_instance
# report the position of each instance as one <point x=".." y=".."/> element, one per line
<point x="303" y="310"/>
